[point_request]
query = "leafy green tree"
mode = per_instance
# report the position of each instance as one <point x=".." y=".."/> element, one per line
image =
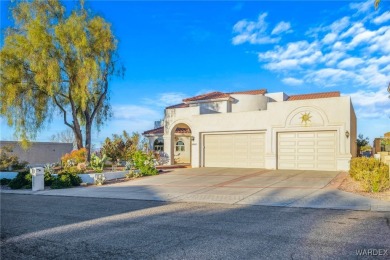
<point x="53" y="60"/>
<point x="362" y="141"/>
<point x="121" y="147"/>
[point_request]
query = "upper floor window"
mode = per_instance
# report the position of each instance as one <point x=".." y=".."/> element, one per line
<point x="179" y="146"/>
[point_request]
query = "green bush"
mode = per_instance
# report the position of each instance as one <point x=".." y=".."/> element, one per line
<point x="144" y="162"/>
<point x="371" y="173"/>
<point x="22" y="180"/>
<point x="5" y="181"/>
<point x="48" y="179"/>
<point x="62" y="181"/>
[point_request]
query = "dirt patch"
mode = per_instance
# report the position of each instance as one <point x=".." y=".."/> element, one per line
<point x="352" y="186"/>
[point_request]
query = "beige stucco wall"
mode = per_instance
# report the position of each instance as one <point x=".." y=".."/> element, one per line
<point x="327" y="114"/>
<point x="39" y="152"/>
<point x="244" y="103"/>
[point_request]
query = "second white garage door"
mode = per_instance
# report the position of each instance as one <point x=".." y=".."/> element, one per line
<point x="307" y="150"/>
<point x="237" y="150"/>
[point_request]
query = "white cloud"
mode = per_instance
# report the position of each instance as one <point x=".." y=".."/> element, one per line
<point x="292" y="81"/>
<point x="283" y="65"/>
<point x="331" y="58"/>
<point x="133" y="112"/>
<point x="382" y="18"/>
<point x="282" y="27"/>
<point x="339" y="25"/>
<point x="291" y="56"/>
<point x="330" y="77"/>
<point x="362" y="7"/>
<point x="165" y="99"/>
<point x="350" y="63"/>
<point x="329" y="38"/>
<point x="253" y="32"/>
<point x="371" y="104"/>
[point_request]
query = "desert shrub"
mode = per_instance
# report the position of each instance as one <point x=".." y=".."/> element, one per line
<point x="9" y="161"/>
<point x="5" y="181"/>
<point x="145" y="163"/>
<point x="97" y="163"/>
<point x="82" y="167"/>
<point x="372" y="174"/>
<point x="121" y="147"/>
<point x="75" y="157"/>
<point x="22" y="180"/>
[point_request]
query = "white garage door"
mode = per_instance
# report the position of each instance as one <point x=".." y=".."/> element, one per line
<point x="234" y="150"/>
<point x="307" y="150"/>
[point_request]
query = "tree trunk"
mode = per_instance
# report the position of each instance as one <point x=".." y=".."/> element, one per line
<point x="88" y="139"/>
<point x="78" y="136"/>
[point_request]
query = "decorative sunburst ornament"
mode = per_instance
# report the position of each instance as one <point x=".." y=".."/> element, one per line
<point x="306" y="118"/>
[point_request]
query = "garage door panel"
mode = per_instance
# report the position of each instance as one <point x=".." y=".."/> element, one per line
<point x="287" y="143"/>
<point x="326" y="134"/>
<point x="326" y="143"/>
<point x="306" y="157"/>
<point x="239" y="150"/>
<point x="305" y="135"/>
<point x="307" y="150"/>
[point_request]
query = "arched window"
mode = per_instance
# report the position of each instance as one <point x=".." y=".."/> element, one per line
<point x="158" y="145"/>
<point x="179" y="146"/>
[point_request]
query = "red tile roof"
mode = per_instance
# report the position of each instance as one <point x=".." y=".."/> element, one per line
<point x="212" y="95"/>
<point x="160" y="130"/>
<point x="314" y="96"/>
<point x="251" y="92"/>
<point x="181" y="105"/>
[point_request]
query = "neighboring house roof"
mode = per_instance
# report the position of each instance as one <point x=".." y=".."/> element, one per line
<point x="160" y="130"/>
<point x="207" y="96"/>
<point x="181" y="105"/>
<point x="250" y="92"/>
<point x="314" y="95"/>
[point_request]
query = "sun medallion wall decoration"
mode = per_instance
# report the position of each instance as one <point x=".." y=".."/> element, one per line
<point x="305" y="118"/>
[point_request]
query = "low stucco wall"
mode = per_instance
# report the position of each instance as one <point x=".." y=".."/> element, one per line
<point x="89" y="177"/>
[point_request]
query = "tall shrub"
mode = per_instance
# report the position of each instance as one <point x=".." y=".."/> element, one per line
<point x="372" y="174"/>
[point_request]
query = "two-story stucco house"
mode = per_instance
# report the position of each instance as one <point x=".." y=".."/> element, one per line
<point x="256" y="129"/>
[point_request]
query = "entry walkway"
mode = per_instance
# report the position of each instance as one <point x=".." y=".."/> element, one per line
<point x="289" y="188"/>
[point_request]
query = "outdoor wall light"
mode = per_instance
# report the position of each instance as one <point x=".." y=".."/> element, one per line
<point x="346" y="134"/>
<point x="192" y="138"/>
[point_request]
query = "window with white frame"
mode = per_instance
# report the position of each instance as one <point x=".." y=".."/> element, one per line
<point x="179" y="146"/>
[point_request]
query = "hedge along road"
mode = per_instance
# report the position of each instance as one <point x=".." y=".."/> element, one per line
<point x="40" y="227"/>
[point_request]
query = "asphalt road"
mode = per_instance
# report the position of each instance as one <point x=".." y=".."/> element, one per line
<point x="50" y="227"/>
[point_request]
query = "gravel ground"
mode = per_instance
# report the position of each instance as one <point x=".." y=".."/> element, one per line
<point x="350" y="185"/>
<point x="50" y="227"/>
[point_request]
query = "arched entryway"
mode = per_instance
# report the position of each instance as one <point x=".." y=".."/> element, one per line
<point x="181" y="142"/>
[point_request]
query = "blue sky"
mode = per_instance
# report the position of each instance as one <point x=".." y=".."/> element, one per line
<point x="177" y="49"/>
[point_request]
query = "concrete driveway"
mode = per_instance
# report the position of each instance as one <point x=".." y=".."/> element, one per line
<point x="292" y="188"/>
